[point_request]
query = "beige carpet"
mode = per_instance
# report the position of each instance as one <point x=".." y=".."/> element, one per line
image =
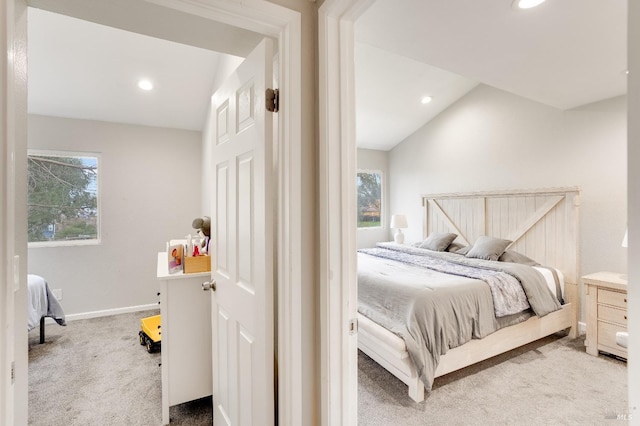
<point x="94" y="372"/>
<point x="549" y="382"/>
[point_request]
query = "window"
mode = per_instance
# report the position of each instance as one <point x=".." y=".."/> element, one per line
<point x="369" y="199"/>
<point x="63" y="194"/>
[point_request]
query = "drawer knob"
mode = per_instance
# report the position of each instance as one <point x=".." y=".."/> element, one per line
<point x="625" y="317"/>
<point x="625" y="300"/>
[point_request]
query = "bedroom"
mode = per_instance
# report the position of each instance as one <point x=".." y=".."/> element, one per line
<point x="140" y="133"/>
<point x="504" y="140"/>
<point x="266" y="19"/>
<point x="149" y="146"/>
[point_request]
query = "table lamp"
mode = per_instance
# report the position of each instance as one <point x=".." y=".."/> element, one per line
<point x="399" y="222"/>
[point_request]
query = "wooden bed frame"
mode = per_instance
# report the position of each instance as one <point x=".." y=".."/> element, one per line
<point x="542" y="223"/>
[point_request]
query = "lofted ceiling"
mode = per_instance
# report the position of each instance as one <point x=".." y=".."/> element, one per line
<point x="564" y="54"/>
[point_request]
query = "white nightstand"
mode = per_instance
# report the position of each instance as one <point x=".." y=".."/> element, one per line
<point x="606" y="312"/>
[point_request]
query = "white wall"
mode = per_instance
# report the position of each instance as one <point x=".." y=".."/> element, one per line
<point x="374" y="160"/>
<point x="149" y="193"/>
<point x="491" y="139"/>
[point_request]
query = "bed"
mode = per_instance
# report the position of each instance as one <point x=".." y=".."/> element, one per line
<point x="41" y="304"/>
<point x="535" y="224"/>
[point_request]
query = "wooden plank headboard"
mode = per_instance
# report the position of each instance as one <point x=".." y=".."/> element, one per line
<point x="542" y="223"/>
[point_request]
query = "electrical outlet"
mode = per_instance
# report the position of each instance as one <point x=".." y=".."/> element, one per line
<point x="57" y="292"/>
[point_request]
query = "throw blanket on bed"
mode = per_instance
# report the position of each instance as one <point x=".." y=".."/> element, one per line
<point x="42" y="302"/>
<point x="434" y="311"/>
<point x="507" y="292"/>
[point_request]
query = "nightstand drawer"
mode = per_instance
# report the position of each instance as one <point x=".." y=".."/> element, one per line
<point x="607" y="338"/>
<point x="612" y="298"/>
<point x="607" y="313"/>
<point x="606" y="309"/>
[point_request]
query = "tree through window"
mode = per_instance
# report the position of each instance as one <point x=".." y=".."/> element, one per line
<point x="62" y="197"/>
<point x="369" y="199"/>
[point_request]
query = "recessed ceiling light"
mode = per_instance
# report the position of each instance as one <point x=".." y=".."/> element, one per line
<point x="426" y="99"/>
<point x="145" y="85"/>
<point x="526" y="4"/>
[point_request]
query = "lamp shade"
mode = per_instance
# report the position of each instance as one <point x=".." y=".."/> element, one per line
<point x="399" y="221"/>
<point x="625" y="240"/>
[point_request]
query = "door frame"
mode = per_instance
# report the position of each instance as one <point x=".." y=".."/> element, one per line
<point x="264" y="17"/>
<point x="6" y="299"/>
<point x="338" y="242"/>
<point x="13" y="125"/>
<point x="6" y="302"/>
<point x="633" y="206"/>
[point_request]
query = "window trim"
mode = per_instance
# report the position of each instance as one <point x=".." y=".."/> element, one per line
<point x="382" y="198"/>
<point x="74" y="154"/>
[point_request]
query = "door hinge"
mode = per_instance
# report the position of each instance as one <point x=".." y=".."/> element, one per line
<point x="353" y="326"/>
<point x="13" y="372"/>
<point x="272" y="100"/>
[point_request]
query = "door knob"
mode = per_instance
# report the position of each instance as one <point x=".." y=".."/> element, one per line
<point x="209" y="286"/>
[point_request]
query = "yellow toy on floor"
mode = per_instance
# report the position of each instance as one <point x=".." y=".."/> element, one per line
<point x="150" y="335"/>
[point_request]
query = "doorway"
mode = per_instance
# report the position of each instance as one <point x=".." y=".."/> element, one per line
<point x="336" y="26"/>
<point x="264" y="18"/>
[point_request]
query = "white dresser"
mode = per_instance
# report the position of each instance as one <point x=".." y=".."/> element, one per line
<point x="186" y="336"/>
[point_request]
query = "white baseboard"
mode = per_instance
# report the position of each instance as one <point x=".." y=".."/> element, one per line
<point x="108" y="312"/>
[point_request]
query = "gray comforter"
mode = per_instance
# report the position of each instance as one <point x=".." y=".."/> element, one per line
<point x="434" y="311"/>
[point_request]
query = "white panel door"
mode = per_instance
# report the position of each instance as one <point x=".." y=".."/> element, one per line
<point x="242" y="246"/>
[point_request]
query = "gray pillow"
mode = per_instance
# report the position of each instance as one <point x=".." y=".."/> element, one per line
<point x="463" y="251"/>
<point x="488" y="248"/>
<point x="454" y="247"/>
<point x="515" y="257"/>
<point x="438" y="241"/>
